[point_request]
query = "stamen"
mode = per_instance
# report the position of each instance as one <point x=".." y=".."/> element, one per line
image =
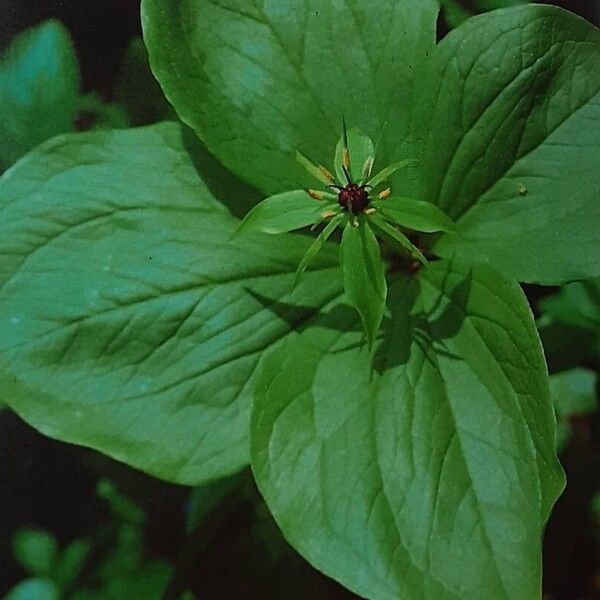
<point x="385" y="193"/>
<point x="326" y="173"/>
<point x="346" y="158"/>
<point x="315" y="194"/>
<point x="328" y="214"/>
<point x="370" y="211"/>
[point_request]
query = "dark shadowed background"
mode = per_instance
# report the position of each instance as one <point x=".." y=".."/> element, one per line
<point x="236" y="553"/>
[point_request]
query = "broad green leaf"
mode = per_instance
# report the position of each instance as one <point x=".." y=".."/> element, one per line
<point x="414" y="214"/>
<point x="39" y="84"/>
<point x="258" y="80"/>
<point x="318" y="244"/>
<point x="513" y="141"/>
<point x="430" y="475"/>
<point x="397" y="240"/>
<point x="35" y="550"/>
<point x="284" y="212"/>
<point x="364" y="276"/>
<point x="34" y="589"/>
<point x="361" y="154"/>
<point x="131" y="321"/>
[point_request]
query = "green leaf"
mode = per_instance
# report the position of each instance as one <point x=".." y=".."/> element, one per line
<point x="385" y="174"/>
<point x="573" y="393"/>
<point x="361" y="154"/>
<point x="284" y="212"/>
<point x="397" y="240"/>
<point x="430" y="475"/>
<point x="364" y="276"/>
<point x="513" y="136"/>
<point x="34" y="589"/>
<point x="456" y="14"/>
<point x="71" y="562"/>
<point x="131" y="321"/>
<point x="35" y="550"/>
<point x="317" y="245"/>
<point x="414" y="214"/>
<point x="257" y="81"/>
<point x="576" y="304"/>
<point x="39" y="84"/>
<point x="207" y="497"/>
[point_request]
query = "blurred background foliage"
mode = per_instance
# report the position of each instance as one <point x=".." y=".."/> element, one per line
<point x="76" y="525"/>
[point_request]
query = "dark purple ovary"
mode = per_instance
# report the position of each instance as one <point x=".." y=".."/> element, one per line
<point x="353" y="198"/>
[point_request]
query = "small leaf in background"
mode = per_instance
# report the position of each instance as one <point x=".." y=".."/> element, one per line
<point x="120" y="505"/>
<point x="137" y="90"/>
<point x="70" y="562"/>
<point x="364" y="276"/>
<point x="456" y="12"/>
<point x="414" y="214"/>
<point x="576" y="304"/>
<point x="205" y="498"/>
<point x="574" y="395"/>
<point x="35" y="550"/>
<point x="39" y="88"/>
<point x="284" y="212"/>
<point x="34" y="589"/>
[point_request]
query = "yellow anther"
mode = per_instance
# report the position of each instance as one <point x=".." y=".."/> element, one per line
<point x="326" y="173"/>
<point x="346" y="158"/>
<point x="315" y="194"/>
<point x="385" y="193"/>
<point x="328" y="214"/>
<point x="370" y="211"/>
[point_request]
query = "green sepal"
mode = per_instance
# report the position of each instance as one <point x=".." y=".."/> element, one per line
<point x="414" y="214"/>
<point x="397" y="240"/>
<point x="284" y="212"/>
<point x="361" y="153"/>
<point x="317" y="244"/>
<point x="364" y="276"/>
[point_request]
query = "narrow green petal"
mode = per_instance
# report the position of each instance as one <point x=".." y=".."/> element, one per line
<point x="397" y="240"/>
<point x="317" y="244"/>
<point x="317" y="171"/>
<point x="386" y="173"/>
